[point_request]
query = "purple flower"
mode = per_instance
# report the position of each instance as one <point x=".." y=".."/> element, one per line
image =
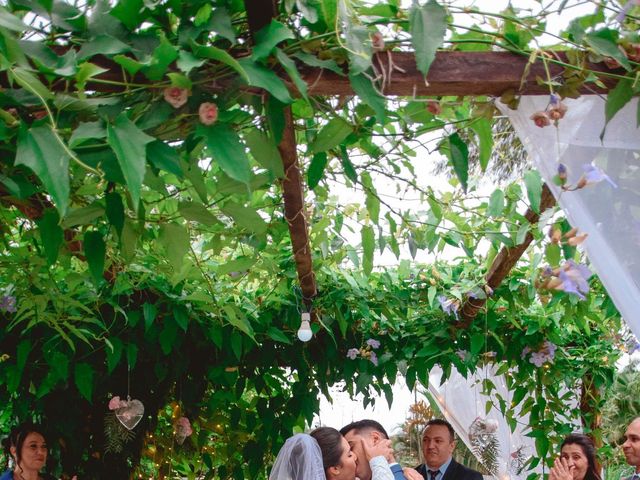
<point x="448" y="306"/>
<point x="352" y="353"/>
<point x="525" y="352"/>
<point x="554" y="99"/>
<point x="538" y="359"/>
<point x="562" y="172"/>
<point x="373" y="343"/>
<point x="623" y="13"/>
<point x="8" y="304"/>
<point x="463" y="355"/>
<point x="374" y="358"/>
<point x="594" y="174"/>
<point x="574" y="279"/>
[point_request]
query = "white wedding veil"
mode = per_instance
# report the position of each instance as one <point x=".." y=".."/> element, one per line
<point x="299" y="458"/>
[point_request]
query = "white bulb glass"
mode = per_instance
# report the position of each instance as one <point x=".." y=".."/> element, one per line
<point x="304" y="332"/>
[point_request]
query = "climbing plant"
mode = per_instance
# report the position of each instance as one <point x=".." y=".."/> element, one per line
<point x="145" y="249"/>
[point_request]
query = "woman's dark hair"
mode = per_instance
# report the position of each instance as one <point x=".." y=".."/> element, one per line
<point x="16" y="439"/>
<point x="330" y="441"/>
<point x="589" y="450"/>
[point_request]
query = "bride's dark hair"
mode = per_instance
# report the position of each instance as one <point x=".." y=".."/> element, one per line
<point x="330" y="441"/>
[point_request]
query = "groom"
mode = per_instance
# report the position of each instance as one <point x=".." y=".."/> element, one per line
<point x="370" y="432"/>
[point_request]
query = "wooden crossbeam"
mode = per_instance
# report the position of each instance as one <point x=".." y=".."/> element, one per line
<point x="505" y="261"/>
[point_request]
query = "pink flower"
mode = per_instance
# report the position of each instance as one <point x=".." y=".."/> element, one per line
<point x="377" y="41"/>
<point x="208" y="113"/>
<point x="611" y="63"/>
<point x="115" y="403"/>
<point x="176" y="96"/>
<point x="557" y="111"/>
<point x="541" y="119"/>
<point x="633" y="52"/>
<point x="434" y="107"/>
<point x="184" y="426"/>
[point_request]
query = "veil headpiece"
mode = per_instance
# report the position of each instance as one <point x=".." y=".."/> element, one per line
<point x="299" y="458"/>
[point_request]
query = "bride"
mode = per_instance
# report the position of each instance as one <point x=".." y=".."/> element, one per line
<point x="325" y="455"/>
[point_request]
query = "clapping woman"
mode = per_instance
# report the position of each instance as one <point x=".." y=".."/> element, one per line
<point x="577" y="460"/>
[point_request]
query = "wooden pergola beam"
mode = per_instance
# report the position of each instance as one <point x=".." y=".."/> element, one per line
<point x="451" y="73"/>
<point x="505" y="261"/>
<point x="459" y="73"/>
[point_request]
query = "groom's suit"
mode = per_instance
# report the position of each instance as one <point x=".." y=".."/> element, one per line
<point x="455" y="471"/>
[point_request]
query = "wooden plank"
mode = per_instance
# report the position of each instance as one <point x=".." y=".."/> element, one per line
<point x="452" y="73"/>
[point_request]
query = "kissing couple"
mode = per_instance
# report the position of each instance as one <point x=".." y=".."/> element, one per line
<point x="360" y="450"/>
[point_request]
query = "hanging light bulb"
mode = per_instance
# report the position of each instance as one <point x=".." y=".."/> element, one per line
<point x="304" y="332"/>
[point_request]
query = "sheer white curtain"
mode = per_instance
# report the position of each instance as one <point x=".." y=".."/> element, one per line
<point x="609" y="211"/>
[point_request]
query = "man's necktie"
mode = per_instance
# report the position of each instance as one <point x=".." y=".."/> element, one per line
<point x="433" y="474"/>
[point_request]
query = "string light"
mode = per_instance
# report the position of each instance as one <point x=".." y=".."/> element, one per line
<point x="304" y="332"/>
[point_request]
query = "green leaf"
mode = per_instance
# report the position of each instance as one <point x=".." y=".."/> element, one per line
<point x="83" y="377"/>
<point x="238" y="320"/>
<point x="372" y="202"/>
<point x="180" y="80"/>
<point x="85" y="72"/>
<point x="260" y="76"/>
<point x="187" y="61"/>
<point x="30" y="82"/>
<point x="368" y="247"/>
<point x="331" y="135"/>
<point x="181" y="317"/>
<point x="41" y="151"/>
<point x="329" y="12"/>
<point x="227" y="150"/>
<point x="115" y="211"/>
<point x="87" y="131"/>
<point x="238" y="265"/>
<point x="149" y="311"/>
<point x="553" y="254"/>
<point x="269" y="37"/>
<point x="114" y="354"/>
<point x="164" y="157"/>
<point x="314" y="61"/>
<point x="167" y="337"/>
<point x="349" y="169"/>
<point x="51" y="234"/>
<point x="359" y="47"/>
<point x="196" y="212"/>
<point x="278" y="335"/>
<point x="129" y="144"/>
<point x="605" y="42"/>
<point x="175" y="240"/>
<point x="316" y="169"/>
<point x="533" y="182"/>
<point x="522" y="233"/>
<point x="129" y="12"/>
<point x="11" y="22"/>
<point x="83" y="215"/>
<point x="264" y="150"/>
<point x="221" y="23"/>
<point x="245" y="217"/>
<point x="163" y="55"/>
<point x="477" y="342"/>
<point x="203" y="14"/>
<point x="219" y="55"/>
<point x="496" y="204"/>
<point x="102" y="45"/>
<point x="617" y="98"/>
<point x="94" y="251"/>
<point x="459" y="157"/>
<point x="290" y="67"/>
<point x="428" y="25"/>
<point x="364" y="88"/>
<point x="482" y="127"/>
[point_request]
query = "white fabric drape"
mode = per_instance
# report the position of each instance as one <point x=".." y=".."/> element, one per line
<point x="608" y="211"/>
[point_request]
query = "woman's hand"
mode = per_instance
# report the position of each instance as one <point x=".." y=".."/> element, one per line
<point x="382" y="448"/>
<point x="561" y="470"/>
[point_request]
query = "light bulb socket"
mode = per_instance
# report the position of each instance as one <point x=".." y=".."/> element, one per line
<point x="306" y="317"/>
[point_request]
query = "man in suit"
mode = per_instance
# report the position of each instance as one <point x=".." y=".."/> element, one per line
<point x="438" y="443"/>
<point x="631" y="447"/>
<point x="370" y="433"/>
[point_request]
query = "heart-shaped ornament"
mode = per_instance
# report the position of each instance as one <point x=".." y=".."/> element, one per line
<point x="130" y="413"/>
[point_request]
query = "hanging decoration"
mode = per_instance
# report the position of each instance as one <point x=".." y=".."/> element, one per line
<point x="129" y="412"/>
<point x="484" y="443"/>
<point x="183" y="430"/>
<point x="519" y="459"/>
